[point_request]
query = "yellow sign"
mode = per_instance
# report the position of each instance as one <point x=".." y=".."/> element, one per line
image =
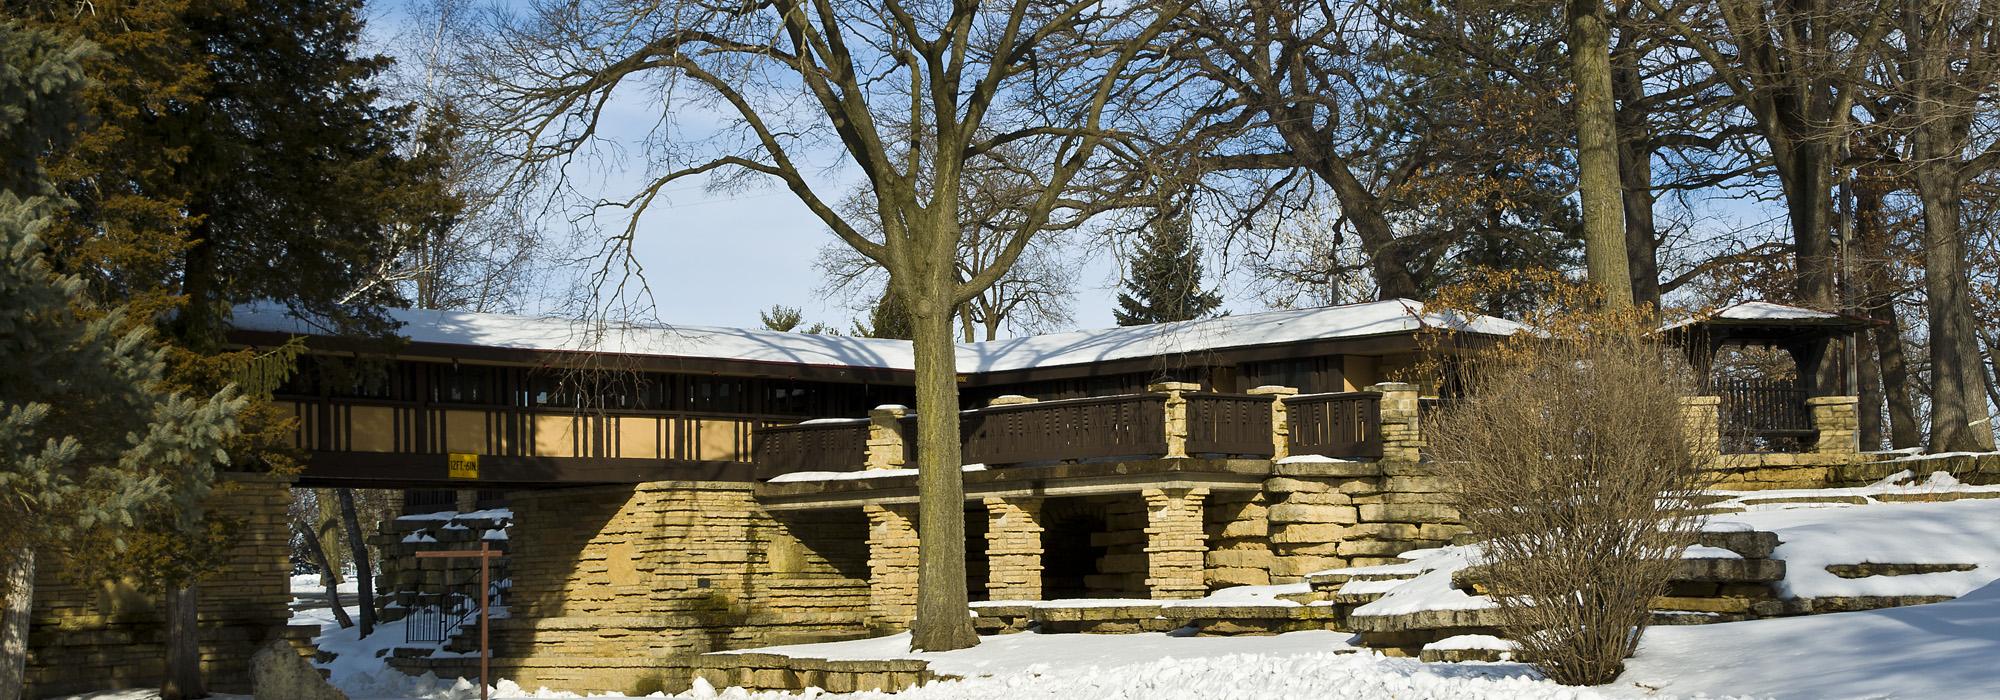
<point x="462" y="465"/>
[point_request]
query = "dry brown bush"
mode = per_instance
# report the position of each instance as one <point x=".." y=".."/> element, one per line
<point x="1571" y="460"/>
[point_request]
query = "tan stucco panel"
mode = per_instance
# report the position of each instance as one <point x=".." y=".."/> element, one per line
<point x="555" y="436"/>
<point x="638" y="437"/>
<point x="718" y="440"/>
<point x="465" y="431"/>
<point x="373" y="429"/>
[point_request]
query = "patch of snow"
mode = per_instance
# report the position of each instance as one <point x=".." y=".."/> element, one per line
<point x="859" y="474"/>
<point x="1235" y="596"/>
<point x="1918" y="456"/>
<point x="1432" y="589"/>
<point x="1700" y="551"/>
<point x="494" y="535"/>
<point x="1316" y="664"/>
<point x="419" y="537"/>
<point x="1470" y="641"/>
<point x="832" y="421"/>
<point x="1312" y="459"/>
<point x="309" y="584"/>
<point x="1900" y="483"/>
<point x="489" y="514"/>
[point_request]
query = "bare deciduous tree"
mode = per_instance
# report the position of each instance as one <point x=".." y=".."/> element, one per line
<point x="1570" y="459"/>
<point x="1940" y="69"/>
<point x="911" y="95"/>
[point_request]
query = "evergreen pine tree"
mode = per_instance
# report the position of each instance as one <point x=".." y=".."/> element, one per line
<point x="89" y="438"/>
<point x="232" y="154"/>
<point x="888" y="320"/>
<point x="782" y="318"/>
<point x="1166" y="277"/>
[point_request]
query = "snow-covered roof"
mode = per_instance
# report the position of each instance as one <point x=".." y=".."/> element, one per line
<point x="1767" y="311"/>
<point x="556" y="333"/>
<point x="1055" y="349"/>
<point x="1240" y="330"/>
<point x="1754" y="311"/>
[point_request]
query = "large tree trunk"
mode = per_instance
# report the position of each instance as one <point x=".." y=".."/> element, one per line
<point x="18" y="584"/>
<point x="1904" y="430"/>
<point x="1635" y="169"/>
<point x="1959" y="422"/>
<point x="1808" y="195"/>
<point x="1878" y="302"/>
<point x="943" y="620"/>
<point x="183" y="679"/>
<point x="328" y="530"/>
<point x="364" y="575"/>
<point x="1993" y="362"/>
<point x="328" y="579"/>
<point x="1598" y="181"/>
<point x="1868" y="371"/>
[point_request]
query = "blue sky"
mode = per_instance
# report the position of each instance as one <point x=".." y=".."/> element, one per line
<point x="719" y="258"/>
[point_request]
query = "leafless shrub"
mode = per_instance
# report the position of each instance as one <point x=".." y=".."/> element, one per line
<point x="1570" y="456"/>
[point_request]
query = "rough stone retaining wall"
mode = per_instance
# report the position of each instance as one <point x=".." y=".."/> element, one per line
<point x="610" y="582"/>
<point x="402" y="576"/>
<point x="1816" y="470"/>
<point x="84" y="638"/>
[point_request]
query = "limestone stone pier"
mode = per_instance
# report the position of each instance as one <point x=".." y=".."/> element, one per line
<point x="1014" y="548"/>
<point x="1176" y="548"/>
<point x="892" y="565"/>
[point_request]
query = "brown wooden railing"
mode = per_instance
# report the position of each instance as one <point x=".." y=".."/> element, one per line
<point x="830" y="446"/>
<point x="1130" y="425"/>
<point x="1336" y="425"/>
<point x="1762" y="414"/>
<point x="1127" y="426"/>
<point x="1229" y="424"/>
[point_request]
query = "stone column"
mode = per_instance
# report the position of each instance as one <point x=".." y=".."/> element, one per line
<point x="1176" y="545"/>
<point x="1838" y="420"/>
<point x="1177" y="421"/>
<point x="1014" y="548"/>
<point x="1702" y="418"/>
<point x="1281" y="428"/>
<point x="892" y="565"/>
<point x="1402" y="432"/>
<point x="885" y="437"/>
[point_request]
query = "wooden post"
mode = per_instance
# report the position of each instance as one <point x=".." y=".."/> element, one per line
<point x="485" y="555"/>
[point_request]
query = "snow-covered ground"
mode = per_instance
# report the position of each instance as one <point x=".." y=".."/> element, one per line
<point x="308" y="584"/>
<point x="1943" y="650"/>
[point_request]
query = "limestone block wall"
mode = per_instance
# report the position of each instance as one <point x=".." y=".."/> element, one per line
<point x="1239" y="545"/>
<point x="112" y="635"/>
<point x="1122" y="570"/>
<point x="607" y="580"/>
<point x="1326" y="515"/>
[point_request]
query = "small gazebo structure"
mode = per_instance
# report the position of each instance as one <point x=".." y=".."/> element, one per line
<point x="1760" y="412"/>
